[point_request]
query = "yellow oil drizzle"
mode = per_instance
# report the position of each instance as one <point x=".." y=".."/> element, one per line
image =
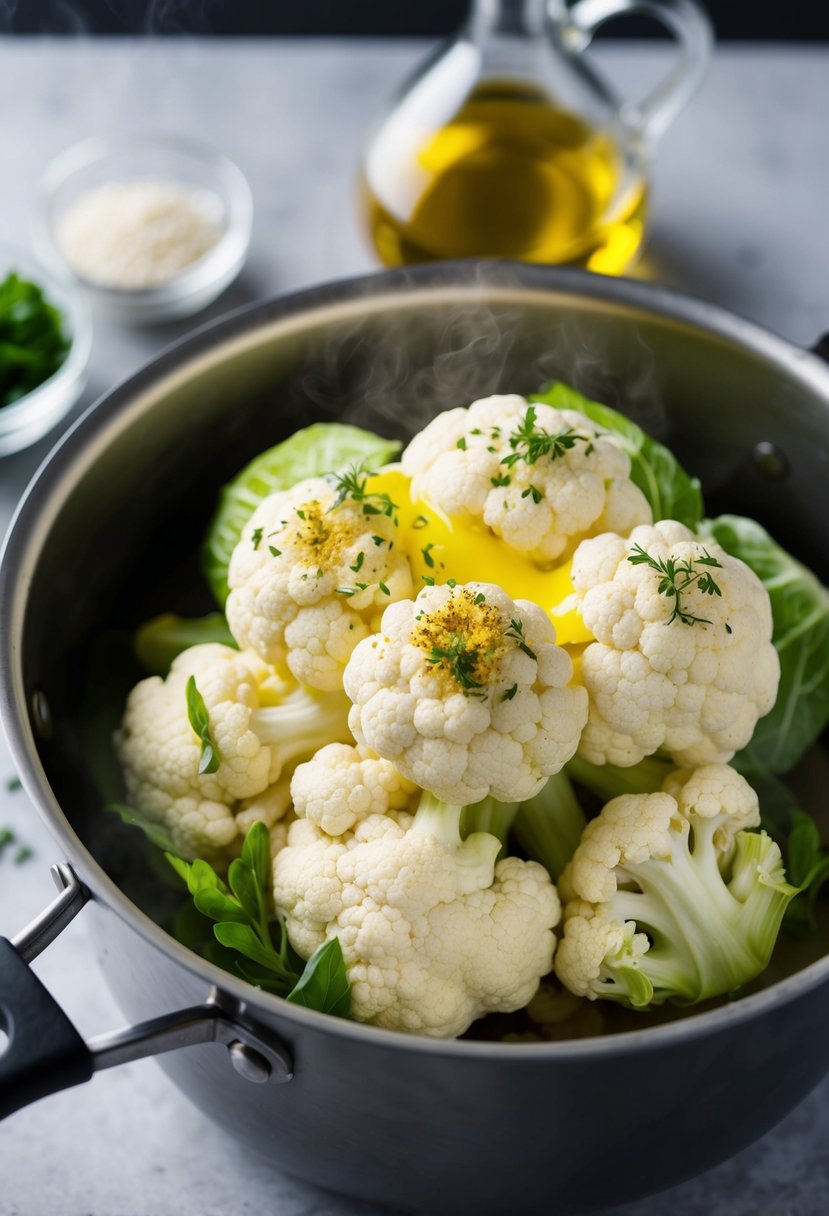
<point x="440" y="548"/>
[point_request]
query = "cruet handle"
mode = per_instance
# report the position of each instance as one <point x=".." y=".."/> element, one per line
<point x="685" y="20"/>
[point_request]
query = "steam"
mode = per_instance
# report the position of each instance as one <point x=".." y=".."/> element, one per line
<point x="410" y="357"/>
<point x="8" y="8"/>
<point x="177" y="17"/>
<point x="131" y="17"/>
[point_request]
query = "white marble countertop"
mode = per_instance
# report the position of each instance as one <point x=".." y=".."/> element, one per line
<point x="739" y="217"/>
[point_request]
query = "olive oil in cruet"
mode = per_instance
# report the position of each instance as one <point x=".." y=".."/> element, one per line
<point x="507" y="144"/>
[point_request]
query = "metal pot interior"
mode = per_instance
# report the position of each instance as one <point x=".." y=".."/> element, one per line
<point x="111" y="532"/>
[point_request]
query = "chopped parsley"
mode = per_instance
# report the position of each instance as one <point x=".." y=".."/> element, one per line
<point x="352" y="484"/>
<point x="676" y="575"/>
<point x="530" y="443"/>
<point x="516" y="632"/>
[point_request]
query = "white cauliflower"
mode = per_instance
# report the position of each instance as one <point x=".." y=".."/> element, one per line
<point x="683" y="658"/>
<point x="670" y="897"/>
<point x="541" y="478"/>
<point x="313" y="571"/>
<point x="251" y="740"/>
<point x="466" y="692"/>
<point x="342" y="784"/>
<point x="434" y="934"/>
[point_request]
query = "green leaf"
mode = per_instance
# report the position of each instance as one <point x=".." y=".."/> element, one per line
<point x="160" y="640"/>
<point x="246" y="888"/>
<point x="244" y="939"/>
<point x="807" y="867"/>
<point x="324" y="984"/>
<point x="204" y="878"/>
<point x="200" y="722"/>
<point x="198" y="874"/>
<point x="156" y="833"/>
<point x="262" y="977"/>
<point x="220" y="907"/>
<point x="181" y="867"/>
<point x="800" y="612"/>
<point x="804" y="850"/>
<point x="322" y="448"/>
<point x="256" y="853"/>
<point x="672" y="494"/>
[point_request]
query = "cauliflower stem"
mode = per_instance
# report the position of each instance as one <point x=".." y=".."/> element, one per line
<point x="475" y="857"/>
<point x="708" y="936"/>
<point x="673" y="895"/>
<point x="302" y="724"/>
<point x="608" y="781"/>
<point x="491" y="816"/>
<point x="549" y="826"/>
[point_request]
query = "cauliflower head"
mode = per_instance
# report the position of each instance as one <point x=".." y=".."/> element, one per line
<point x="467" y="693"/>
<point x="540" y="478"/>
<point x="342" y="784"/>
<point x="208" y="813"/>
<point x="683" y="658"/>
<point x="671" y="896"/>
<point x="434" y="934"/>
<point x="313" y="571"/>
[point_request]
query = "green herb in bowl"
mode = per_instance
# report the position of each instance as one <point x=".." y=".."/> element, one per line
<point x="33" y="342"/>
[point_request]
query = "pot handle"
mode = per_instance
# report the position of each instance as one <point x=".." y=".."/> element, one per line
<point x="821" y="347"/>
<point x="45" y="1053"/>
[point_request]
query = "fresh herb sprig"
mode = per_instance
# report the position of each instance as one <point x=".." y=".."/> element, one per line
<point x="352" y="484"/>
<point x="516" y="633"/>
<point x="199" y="719"/>
<point x="676" y="575"/>
<point x="530" y="442"/>
<point x="459" y="659"/>
<point x="239" y="908"/>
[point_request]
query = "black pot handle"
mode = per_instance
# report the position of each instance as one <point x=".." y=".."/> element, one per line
<point x="45" y="1053"/>
<point x="821" y="347"/>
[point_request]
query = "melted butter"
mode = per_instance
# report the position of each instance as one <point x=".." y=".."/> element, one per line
<point x="439" y="547"/>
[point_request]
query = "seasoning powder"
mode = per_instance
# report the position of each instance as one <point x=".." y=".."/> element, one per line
<point x="139" y="233"/>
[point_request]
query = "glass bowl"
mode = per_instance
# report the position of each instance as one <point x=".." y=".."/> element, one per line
<point x="159" y="158"/>
<point x="30" y="417"/>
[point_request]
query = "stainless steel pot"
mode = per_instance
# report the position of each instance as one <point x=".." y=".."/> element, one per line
<point x="107" y="534"/>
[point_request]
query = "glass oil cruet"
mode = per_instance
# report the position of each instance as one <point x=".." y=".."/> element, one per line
<point x="507" y="142"/>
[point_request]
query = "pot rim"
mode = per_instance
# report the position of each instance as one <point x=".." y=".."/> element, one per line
<point x="66" y="463"/>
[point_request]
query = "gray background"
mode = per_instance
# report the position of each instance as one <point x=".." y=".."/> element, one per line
<point x="739" y="216"/>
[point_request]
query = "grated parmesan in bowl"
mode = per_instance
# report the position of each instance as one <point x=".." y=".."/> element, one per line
<point x="138" y="233"/>
<point x="154" y="226"/>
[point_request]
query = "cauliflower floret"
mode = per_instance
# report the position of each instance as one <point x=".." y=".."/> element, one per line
<point x="434" y="934"/>
<point x="539" y="477"/>
<point x="311" y="575"/>
<point x="683" y="658"/>
<point x="670" y="896"/>
<point x="466" y="692"/>
<point x="206" y="812"/>
<point x="342" y="784"/>
<point x="274" y="808"/>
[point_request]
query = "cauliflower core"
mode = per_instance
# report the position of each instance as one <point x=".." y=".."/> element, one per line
<point x="310" y="576"/>
<point x="539" y="477"/>
<point x="466" y="692"/>
<point x="207" y="814"/>
<point x="677" y="664"/>
<point x="433" y="933"/>
<point x="669" y="897"/>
